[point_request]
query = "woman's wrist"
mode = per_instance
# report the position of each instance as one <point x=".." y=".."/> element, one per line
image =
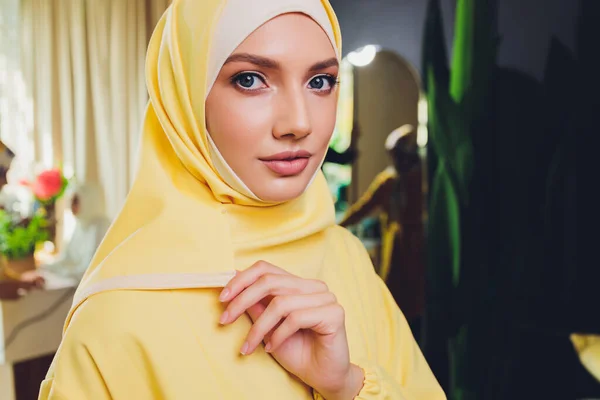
<point x="350" y="389"/>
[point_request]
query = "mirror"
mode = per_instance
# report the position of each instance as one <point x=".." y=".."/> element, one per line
<point x="380" y="194"/>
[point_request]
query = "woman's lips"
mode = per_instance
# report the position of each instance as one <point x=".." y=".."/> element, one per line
<point x="289" y="167"/>
<point x="288" y="163"/>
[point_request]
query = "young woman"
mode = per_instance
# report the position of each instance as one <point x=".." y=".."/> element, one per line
<point x="225" y="276"/>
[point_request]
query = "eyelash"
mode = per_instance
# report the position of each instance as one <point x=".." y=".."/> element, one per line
<point x="331" y="79"/>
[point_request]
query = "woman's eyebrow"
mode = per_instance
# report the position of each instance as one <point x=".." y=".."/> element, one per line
<point x="332" y="62"/>
<point x="269" y="63"/>
<point x="253" y="59"/>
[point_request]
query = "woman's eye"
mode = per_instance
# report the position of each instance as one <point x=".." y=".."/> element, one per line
<point x="322" y="83"/>
<point x="248" y="81"/>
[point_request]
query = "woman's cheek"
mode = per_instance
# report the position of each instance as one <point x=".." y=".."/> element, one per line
<point x="252" y="111"/>
<point x="324" y="121"/>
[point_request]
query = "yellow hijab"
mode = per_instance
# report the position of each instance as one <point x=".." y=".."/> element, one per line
<point x="187" y="218"/>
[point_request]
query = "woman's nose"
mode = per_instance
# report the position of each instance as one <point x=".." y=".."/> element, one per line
<point x="293" y="117"/>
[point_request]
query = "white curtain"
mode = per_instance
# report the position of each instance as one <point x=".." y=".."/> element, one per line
<point x="15" y="106"/>
<point x="83" y="67"/>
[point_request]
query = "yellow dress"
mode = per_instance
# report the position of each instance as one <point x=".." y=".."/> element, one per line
<point x="144" y="323"/>
<point x="168" y="344"/>
<point x="376" y="197"/>
<point x="588" y="350"/>
<point x="398" y="201"/>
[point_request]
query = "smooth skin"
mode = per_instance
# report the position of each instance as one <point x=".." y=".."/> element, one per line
<point x="278" y="92"/>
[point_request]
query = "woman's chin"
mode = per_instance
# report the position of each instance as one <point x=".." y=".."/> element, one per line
<point x="279" y="190"/>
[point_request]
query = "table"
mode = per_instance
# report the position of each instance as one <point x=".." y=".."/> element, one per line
<point x="41" y="314"/>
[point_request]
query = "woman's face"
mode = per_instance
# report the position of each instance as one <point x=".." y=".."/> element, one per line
<point x="271" y="111"/>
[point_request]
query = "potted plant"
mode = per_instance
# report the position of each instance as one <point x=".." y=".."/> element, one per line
<point x="19" y="238"/>
<point x="47" y="188"/>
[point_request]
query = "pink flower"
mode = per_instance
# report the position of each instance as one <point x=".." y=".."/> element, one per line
<point x="47" y="185"/>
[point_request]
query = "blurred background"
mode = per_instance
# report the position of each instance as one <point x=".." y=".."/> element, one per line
<point x="453" y="160"/>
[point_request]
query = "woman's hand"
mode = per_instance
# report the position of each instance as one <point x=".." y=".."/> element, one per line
<point x="301" y="323"/>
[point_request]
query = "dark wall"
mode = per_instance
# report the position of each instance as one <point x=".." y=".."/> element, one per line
<point x="392" y="24"/>
<point x="525" y="27"/>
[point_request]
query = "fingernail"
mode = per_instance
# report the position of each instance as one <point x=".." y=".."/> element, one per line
<point x="224" y="318"/>
<point x="224" y="294"/>
<point x="268" y="347"/>
<point x="244" y="348"/>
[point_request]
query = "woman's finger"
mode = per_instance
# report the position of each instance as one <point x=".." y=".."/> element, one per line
<point x="243" y="279"/>
<point x="279" y="308"/>
<point x="324" y="320"/>
<point x="269" y="285"/>
<point x="256" y="311"/>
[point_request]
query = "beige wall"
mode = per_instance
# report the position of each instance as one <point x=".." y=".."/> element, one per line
<point x="386" y="97"/>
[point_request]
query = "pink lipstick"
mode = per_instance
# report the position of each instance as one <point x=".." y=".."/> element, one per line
<point x="288" y="163"/>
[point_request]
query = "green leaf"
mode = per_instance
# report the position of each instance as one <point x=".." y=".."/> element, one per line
<point x="462" y="60"/>
<point x="434" y="48"/>
<point x="449" y="132"/>
<point x="445" y="222"/>
<point x="18" y="238"/>
<point x="475" y="48"/>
